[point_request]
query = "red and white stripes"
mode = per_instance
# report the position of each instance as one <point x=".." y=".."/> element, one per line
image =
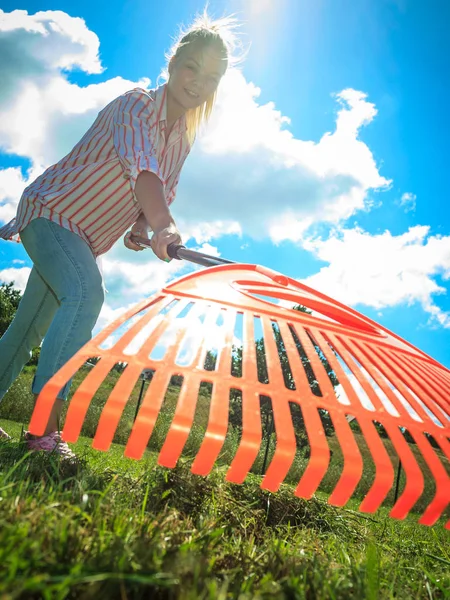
<point x="91" y="190"/>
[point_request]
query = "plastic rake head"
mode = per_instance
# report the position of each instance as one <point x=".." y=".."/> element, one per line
<point x="378" y="377"/>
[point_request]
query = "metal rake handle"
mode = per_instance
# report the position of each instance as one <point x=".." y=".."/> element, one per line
<point x="180" y="252"/>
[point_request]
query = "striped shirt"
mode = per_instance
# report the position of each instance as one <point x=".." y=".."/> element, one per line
<point x="91" y="190"/>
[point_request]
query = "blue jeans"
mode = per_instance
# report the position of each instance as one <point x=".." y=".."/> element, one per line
<point x="60" y="305"/>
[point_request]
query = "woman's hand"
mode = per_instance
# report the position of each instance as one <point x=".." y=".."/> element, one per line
<point x="139" y="231"/>
<point x="163" y="238"/>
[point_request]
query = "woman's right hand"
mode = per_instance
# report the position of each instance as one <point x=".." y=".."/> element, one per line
<point x="163" y="238"/>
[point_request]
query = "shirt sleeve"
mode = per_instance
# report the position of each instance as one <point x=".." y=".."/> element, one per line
<point x="9" y="231"/>
<point x="135" y="131"/>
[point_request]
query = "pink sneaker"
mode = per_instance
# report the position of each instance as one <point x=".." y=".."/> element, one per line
<point x="3" y="435"/>
<point x="51" y="442"/>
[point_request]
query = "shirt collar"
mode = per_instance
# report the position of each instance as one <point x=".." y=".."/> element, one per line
<point x="161" y="110"/>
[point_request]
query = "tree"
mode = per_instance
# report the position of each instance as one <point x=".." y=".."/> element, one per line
<point x="9" y="301"/>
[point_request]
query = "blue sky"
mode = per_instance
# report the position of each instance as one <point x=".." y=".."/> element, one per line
<point x="383" y="247"/>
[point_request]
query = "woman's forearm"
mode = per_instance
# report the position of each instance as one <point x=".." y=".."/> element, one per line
<point x="141" y="224"/>
<point x="150" y="196"/>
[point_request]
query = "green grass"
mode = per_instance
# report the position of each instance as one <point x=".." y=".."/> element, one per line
<point x="110" y="527"/>
<point x="115" y="528"/>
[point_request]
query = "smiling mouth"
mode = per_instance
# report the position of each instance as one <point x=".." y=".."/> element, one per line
<point x="191" y="94"/>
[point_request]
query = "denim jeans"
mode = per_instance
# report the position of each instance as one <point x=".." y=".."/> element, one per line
<point x="60" y="305"/>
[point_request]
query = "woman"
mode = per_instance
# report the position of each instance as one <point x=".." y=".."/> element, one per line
<point x="122" y="174"/>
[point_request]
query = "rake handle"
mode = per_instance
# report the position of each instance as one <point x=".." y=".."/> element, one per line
<point x="180" y="252"/>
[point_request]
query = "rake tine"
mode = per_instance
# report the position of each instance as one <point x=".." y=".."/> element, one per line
<point x="216" y="431"/>
<point x="353" y="462"/>
<point x="414" y="477"/>
<point x="384" y="470"/>
<point x="325" y="345"/>
<point x="251" y="438"/>
<point x="183" y="418"/>
<point x="443" y="443"/>
<point x="286" y="444"/>
<point x="374" y="372"/>
<point x="81" y="400"/>
<point x="122" y="344"/>
<point x="217" y="427"/>
<point x="50" y="391"/>
<point x="145" y="421"/>
<point x="320" y="454"/>
<point x="148" y="413"/>
<point x="421" y="377"/>
<point x="303" y="389"/>
<point x="285" y="447"/>
<point x="341" y="348"/>
<point x="442" y="386"/>
<point x="395" y="378"/>
<point x="114" y="407"/>
<point x="327" y="389"/>
<point x="442" y="496"/>
<point x="181" y="425"/>
<point x="251" y="414"/>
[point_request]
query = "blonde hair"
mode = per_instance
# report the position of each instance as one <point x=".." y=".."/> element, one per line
<point x="204" y="30"/>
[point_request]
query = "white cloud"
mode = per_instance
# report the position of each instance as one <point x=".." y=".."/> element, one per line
<point x="247" y="172"/>
<point x="18" y="276"/>
<point x="208" y="249"/>
<point x="108" y="314"/>
<point x="408" y="201"/>
<point x="55" y="40"/>
<point x="42" y="114"/>
<point x="249" y="169"/>
<point x="383" y="270"/>
<point x="12" y="184"/>
<point x="204" y="231"/>
<point x="131" y="276"/>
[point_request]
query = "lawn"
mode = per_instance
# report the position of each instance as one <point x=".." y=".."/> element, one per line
<point x="111" y="527"/>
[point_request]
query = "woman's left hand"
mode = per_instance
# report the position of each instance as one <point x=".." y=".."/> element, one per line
<point x="138" y="232"/>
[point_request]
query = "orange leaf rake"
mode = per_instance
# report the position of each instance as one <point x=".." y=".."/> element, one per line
<point x="381" y="378"/>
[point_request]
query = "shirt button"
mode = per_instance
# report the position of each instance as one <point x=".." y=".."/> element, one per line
<point x="126" y="176"/>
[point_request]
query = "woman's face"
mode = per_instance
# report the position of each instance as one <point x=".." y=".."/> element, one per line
<point x="195" y="74"/>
